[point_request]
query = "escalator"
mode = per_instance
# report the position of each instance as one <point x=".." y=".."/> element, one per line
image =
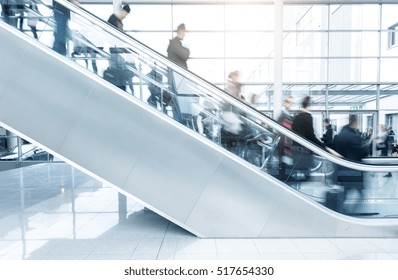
<point x="221" y="182"/>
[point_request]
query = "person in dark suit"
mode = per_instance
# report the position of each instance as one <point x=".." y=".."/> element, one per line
<point x="303" y="126"/>
<point x="179" y="54"/>
<point x="328" y="134"/>
<point x="61" y="17"/>
<point x="348" y="143"/>
<point x="303" y="123"/>
<point x="285" y="143"/>
<point x="8" y="13"/>
<point x="116" y="19"/>
<point x="176" y="52"/>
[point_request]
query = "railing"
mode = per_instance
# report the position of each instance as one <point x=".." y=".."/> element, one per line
<point x="14" y="148"/>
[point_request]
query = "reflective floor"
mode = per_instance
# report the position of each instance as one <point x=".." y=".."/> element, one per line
<point x="56" y="212"/>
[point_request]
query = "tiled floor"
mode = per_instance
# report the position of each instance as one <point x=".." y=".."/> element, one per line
<point x="56" y="212"/>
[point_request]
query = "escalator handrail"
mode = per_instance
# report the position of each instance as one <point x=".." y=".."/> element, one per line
<point x="215" y="90"/>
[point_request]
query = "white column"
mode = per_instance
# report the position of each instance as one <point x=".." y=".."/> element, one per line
<point x="278" y="40"/>
<point x="117" y="5"/>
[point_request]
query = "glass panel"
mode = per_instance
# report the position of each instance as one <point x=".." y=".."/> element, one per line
<point x="304" y="70"/>
<point x="353" y="70"/>
<point x="249" y="69"/>
<point x="200" y="46"/>
<point x="157" y="41"/>
<point x="389" y="15"/>
<point x="305" y="44"/>
<point x="263" y="73"/>
<point x="149" y="17"/>
<point x="249" y="17"/>
<point x="298" y="93"/>
<point x="388" y="69"/>
<point x="210" y="69"/>
<point x="249" y="44"/>
<point x="302" y="17"/>
<point x="353" y="44"/>
<point x="388" y="103"/>
<point x="199" y="17"/>
<point x="386" y="49"/>
<point x="103" y="11"/>
<point x="354" y="17"/>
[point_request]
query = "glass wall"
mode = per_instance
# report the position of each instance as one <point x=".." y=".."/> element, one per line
<point x="222" y="37"/>
<point x="345" y="55"/>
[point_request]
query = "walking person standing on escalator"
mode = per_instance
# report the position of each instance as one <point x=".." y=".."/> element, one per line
<point x="303" y="126"/>
<point x="120" y="73"/>
<point x="328" y="134"/>
<point x="285" y="143"/>
<point x="348" y="143"/>
<point x="179" y="54"/>
<point x="61" y="31"/>
<point x="117" y="19"/>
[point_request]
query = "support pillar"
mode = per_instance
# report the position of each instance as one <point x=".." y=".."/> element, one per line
<point x="278" y="59"/>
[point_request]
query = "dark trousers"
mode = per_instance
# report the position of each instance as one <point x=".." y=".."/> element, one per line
<point x="61" y="33"/>
<point x="7" y="13"/>
<point x="174" y="102"/>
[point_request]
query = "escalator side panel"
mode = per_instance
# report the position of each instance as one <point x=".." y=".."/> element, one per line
<point x="39" y="89"/>
<point x="317" y="223"/>
<point x="175" y="168"/>
<point x="10" y="67"/>
<point x="111" y="132"/>
<point x="233" y="217"/>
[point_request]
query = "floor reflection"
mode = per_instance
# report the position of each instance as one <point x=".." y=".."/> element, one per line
<point x="55" y="212"/>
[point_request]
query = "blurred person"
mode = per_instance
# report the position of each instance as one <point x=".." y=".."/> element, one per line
<point x="303" y="123"/>
<point x="117" y="19"/>
<point x="232" y="133"/>
<point x="391" y="138"/>
<point x="61" y="31"/>
<point x="82" y="46"/>
<point x="120" y="73"/>
<point x="285" y="143"/>
<point x="367" y="136"/>
<point x="349" y="144"/>
<point x="394" y="152"/>
<point x="179" y="54"/>
<point x="158" y="95"/>
<point x="176" y="51"/>
<point x="382" y="141"/>
<point x="8" y="13"/>
<point x="253" y="99"/>
<point x="33" y="13"/>
<point x="328" y="133"/>
<point x="234" y="87"/>
<point x="303" y="126"/>
<point x="20" y="10"/>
